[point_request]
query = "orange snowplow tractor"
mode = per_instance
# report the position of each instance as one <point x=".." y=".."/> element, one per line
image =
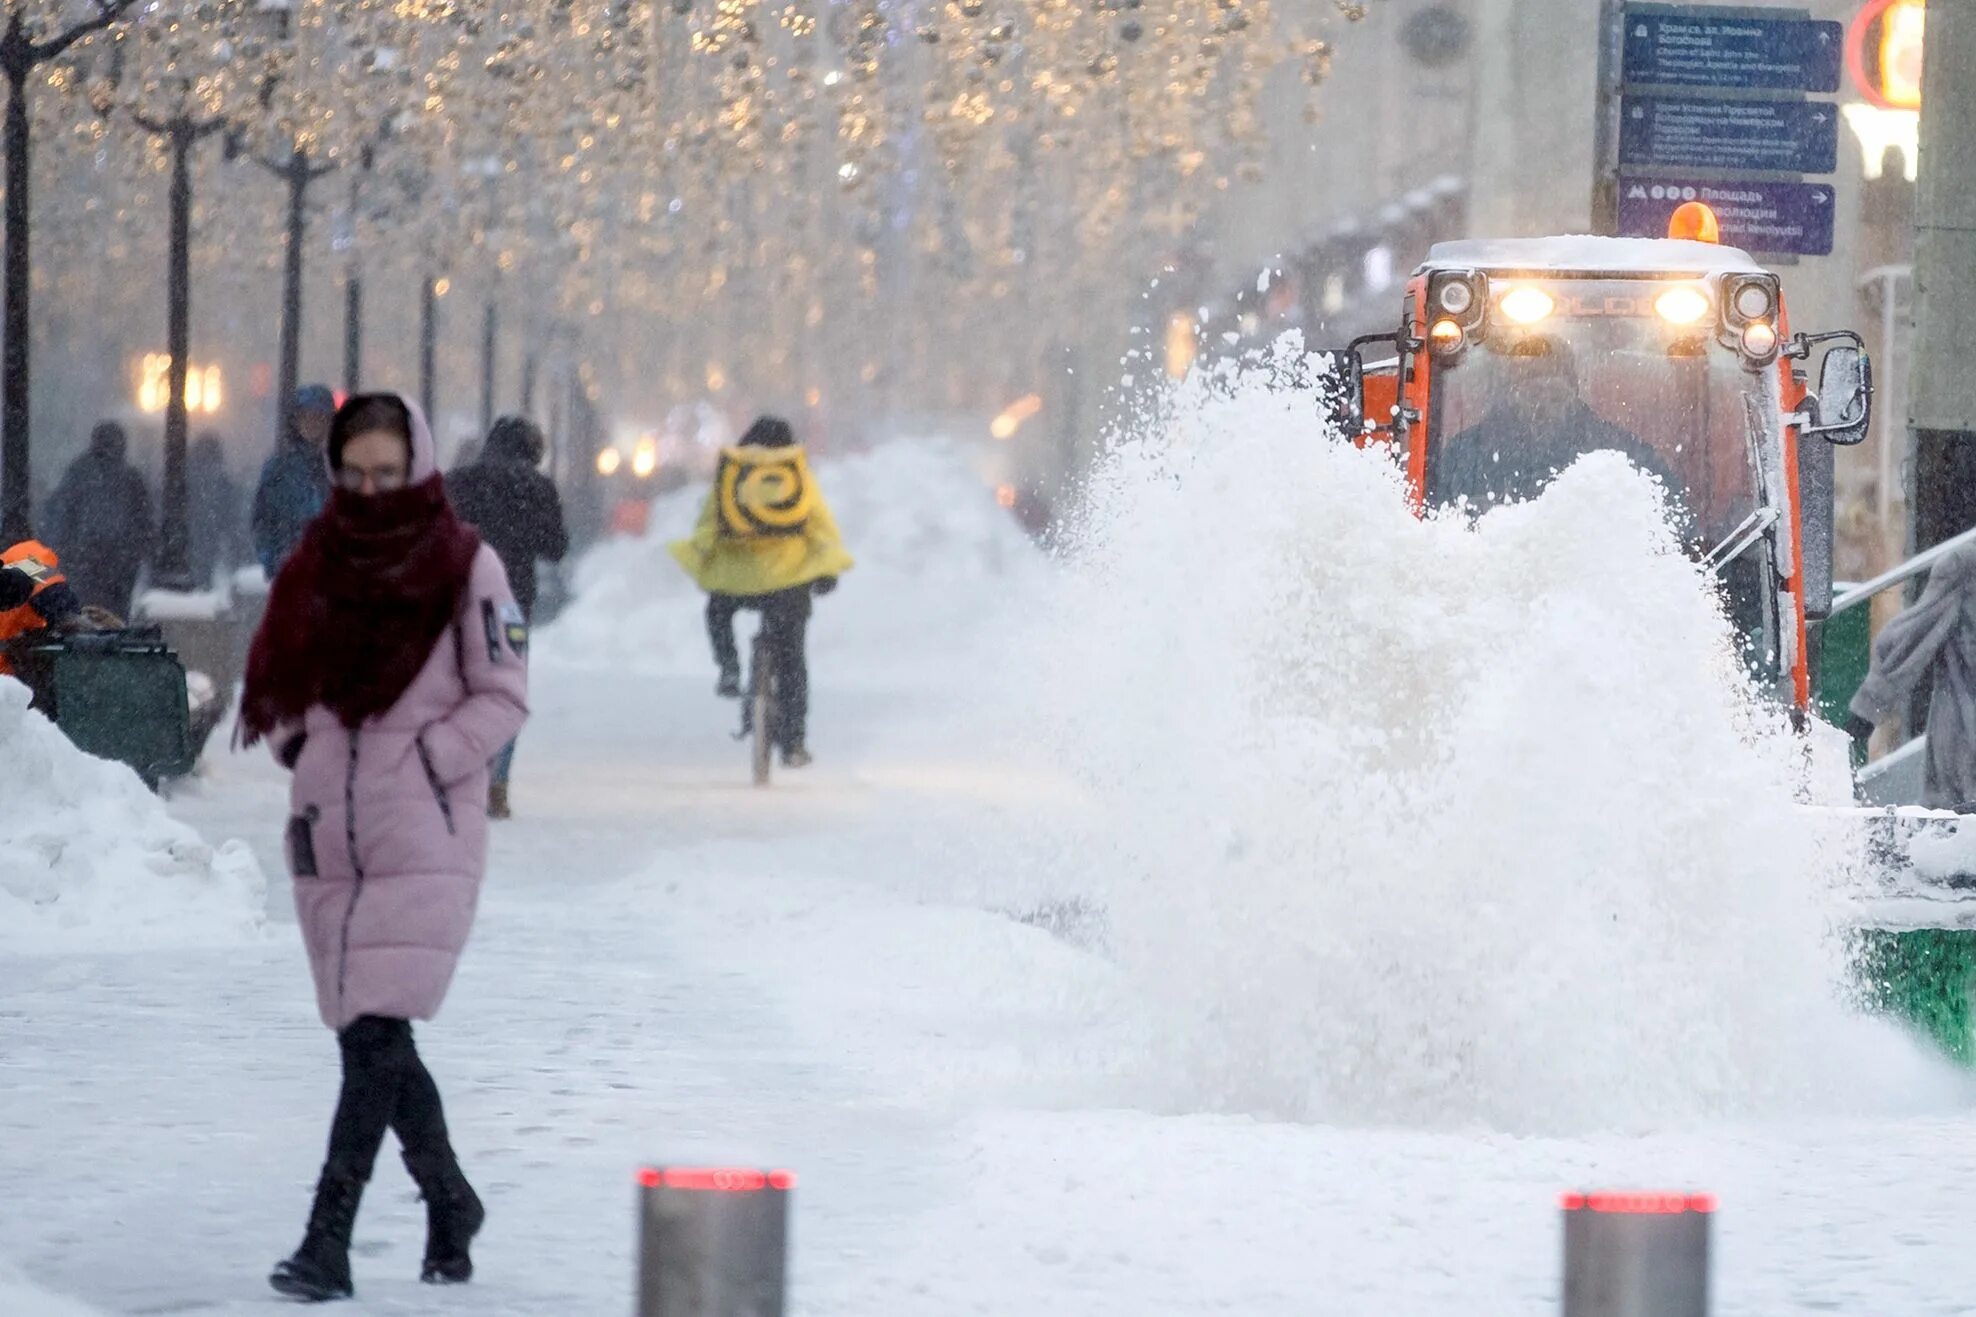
<point x="1694" y="222"/>
<point x="1381" y="393"/>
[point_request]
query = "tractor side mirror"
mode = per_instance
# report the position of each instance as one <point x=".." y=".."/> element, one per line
<point x="1338" y="374"/>
<point x="1845" y="396"/>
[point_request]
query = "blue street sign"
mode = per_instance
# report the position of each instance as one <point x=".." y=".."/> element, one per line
<point x="1667" y="47"/>
<point x="1784" y="137"/>
<point x="1758" y="217"/>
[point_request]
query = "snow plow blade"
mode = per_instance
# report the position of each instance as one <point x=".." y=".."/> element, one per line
<point x="1911" y="911"/>
<point x="1918" y="870"/>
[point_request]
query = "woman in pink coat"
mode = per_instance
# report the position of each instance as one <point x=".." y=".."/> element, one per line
<point x="387" y="672"/>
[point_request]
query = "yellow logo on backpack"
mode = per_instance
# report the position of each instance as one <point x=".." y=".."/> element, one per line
<point x="763" y="492"/>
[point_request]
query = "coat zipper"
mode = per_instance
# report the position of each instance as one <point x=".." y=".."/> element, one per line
<point x="356" y="866"/>
<point x="432" y="780"/>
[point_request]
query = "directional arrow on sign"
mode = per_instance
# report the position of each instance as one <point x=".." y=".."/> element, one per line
<point x="1694" y="130"/>
<point x="1757" y="216"/>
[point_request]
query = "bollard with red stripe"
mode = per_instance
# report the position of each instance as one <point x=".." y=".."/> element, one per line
<point x="712" y="1241"/>
<point x="1636" y="1254"/>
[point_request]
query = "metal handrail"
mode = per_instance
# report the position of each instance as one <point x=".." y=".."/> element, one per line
<point x="1900" y="575"/>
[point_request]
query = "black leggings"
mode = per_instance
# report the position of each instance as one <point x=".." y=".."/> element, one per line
<point x="385" y="1086"/>
<point x="786" y="619"/>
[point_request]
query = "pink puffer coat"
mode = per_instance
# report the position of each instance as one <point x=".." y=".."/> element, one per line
<point x="387" y="840"/>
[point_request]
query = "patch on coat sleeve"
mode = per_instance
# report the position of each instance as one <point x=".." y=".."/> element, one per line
<point x="492" y="626"/>
<point x="515" y="627"/>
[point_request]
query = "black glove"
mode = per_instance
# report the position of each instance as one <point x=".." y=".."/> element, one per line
<point x="59" y="606"/>
<point x="16" y="587"/>
<point x="1858" y="728"/>
<point x="825" y="584"/>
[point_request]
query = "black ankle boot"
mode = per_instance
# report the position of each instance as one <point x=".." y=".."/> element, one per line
<point x="320" y="1268"/>
<point x="453" y="1216"/>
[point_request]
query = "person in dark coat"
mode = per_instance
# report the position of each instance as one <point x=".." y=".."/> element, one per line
<point x="99" y="520"/>
<point x="295" y="481"/>
<point x="213" y="515"/>
<point x="518" y="513"/>
<point x="1934" y="638"/>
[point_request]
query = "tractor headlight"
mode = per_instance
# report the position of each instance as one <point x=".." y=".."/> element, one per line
<point x="1457" y="298"/>
<point x="1527" y="305"/>
<point x="1682" y="304"/>
<point x="1759" y="342"/>
<point x="1750" y="298"/>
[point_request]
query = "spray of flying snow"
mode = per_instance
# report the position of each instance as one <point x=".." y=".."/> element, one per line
<point x="1410" y="821"/>
<point x="935" y="559"/>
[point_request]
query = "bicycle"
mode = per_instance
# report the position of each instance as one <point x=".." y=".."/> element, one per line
<point x="759" y="705"/>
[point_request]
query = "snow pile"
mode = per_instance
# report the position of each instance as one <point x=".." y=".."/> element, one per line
<point x="936" y="556"/>
<point x="183" y="605"/>
<point x="19" y="1295"/>
<point x="1404" y="821"/>
<point x="89" y="859"/>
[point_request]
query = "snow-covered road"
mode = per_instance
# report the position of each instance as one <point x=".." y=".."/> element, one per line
<point x="847" y="976"/>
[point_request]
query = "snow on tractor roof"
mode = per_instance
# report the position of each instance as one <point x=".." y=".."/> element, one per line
<point x="1587" y="254"/>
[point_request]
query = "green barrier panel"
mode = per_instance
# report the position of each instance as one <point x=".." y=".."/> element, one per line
<point x="1924" y="977"/>
<point x="1845" y="652"/>
<point x="116" y="695"/>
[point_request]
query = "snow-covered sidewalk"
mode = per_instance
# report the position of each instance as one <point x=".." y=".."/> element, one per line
<point x="672" y="965"/>
<point x="882" y="975"/>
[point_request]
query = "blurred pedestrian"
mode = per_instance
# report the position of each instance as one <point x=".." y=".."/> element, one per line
<point x="215" y="518"/>
<point x="294" y="482"/>
<point x="383" y="675"/>
<point x="99" y="520"/>
<point x="515" y="507"/>
<point x="1934" y="638"/>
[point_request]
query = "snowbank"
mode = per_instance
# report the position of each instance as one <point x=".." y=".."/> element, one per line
<point x="937" y="559"/>
<point x="18" y="1295"/>
<point x="1419" y="822"/>
<point x="182" y="605"/>
<point x="90" y="860"/>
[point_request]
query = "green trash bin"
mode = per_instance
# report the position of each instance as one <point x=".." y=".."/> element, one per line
<point x="117" y="695"/>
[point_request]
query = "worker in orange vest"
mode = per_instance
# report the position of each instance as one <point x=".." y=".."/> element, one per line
<point x="33" y="595"/>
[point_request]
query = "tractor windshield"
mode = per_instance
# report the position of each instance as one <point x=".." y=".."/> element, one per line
<point x="1574" y="366"/>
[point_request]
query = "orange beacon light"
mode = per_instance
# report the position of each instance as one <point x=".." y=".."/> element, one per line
<point x="1695" y="222"/>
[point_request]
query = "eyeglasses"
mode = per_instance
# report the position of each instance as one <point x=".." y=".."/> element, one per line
<point x="371" y="479"/>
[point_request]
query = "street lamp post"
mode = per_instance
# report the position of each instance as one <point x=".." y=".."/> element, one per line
<point x="353" y="326"/>
<point x="172" y="569"/>
<point x="204" y="75"/>
<point x="429" y="346"/>
<point x="20" y="55"/>
<point x="298" y="171"/>
<point x="490" y="341"/>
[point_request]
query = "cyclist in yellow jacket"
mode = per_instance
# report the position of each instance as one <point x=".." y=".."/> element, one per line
<point x="766" y="541"/>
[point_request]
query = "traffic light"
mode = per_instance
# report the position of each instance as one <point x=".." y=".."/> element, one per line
<point x="1883" y="52"/>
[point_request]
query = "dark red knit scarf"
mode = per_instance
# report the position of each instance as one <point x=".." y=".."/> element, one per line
<point x="355" y="612"/>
